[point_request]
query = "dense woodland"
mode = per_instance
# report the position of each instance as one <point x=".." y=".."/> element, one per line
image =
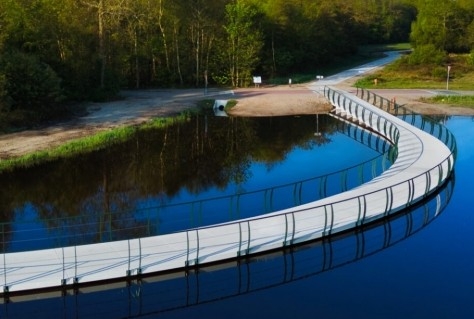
<point x="56" y="51"/>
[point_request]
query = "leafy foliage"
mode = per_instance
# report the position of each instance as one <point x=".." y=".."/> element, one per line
<point x="442" y="26"/>
<point x="403" y="74"/>
<point x="427" y="54"/>
<point x="92" y="48"/>
<point x="244" y="42"/>
<point x="29" y="86"/>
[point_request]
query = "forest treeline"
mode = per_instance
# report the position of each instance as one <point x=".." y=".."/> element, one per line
<point x="54" y="51"/>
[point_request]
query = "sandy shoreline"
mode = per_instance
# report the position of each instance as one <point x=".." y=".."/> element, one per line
<point x="140" y="106"/>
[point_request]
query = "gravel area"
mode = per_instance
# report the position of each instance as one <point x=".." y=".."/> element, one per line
<point x="139" y="106"/>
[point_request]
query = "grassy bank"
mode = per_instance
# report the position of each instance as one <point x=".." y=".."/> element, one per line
<point x="91" y="143"/>
<point x="458" y="100"/>
<point x="403" y="75"/>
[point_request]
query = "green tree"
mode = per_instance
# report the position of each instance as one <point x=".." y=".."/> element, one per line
<point x="442" y="23"/>
<point x="95" y="47"/>
<point x="244" y="42"/>
<point x="30" y="86"/>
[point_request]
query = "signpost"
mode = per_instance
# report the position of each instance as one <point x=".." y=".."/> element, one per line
<point x="257" y="80"/>
<point x="447" y="78"/>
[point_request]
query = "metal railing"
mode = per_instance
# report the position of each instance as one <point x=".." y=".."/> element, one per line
<point x="230" y="279"/>
<point x="62" y="267"/>
<point x="173" y="217"/>
<point x="424" y="122"/>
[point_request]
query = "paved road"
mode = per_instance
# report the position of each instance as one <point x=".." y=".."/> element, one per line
<point x="341" y="77"/>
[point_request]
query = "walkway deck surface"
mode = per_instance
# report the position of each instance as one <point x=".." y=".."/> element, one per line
<point x="422" y="165"/>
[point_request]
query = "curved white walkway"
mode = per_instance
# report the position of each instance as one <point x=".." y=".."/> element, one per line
<point x="423" y="164"/>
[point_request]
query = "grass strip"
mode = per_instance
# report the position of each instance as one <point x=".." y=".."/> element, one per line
<point x="98" y="141"/>
<point x="458" y="100"/>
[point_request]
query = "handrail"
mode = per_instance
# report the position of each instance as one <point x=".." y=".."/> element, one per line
<point x="393" y="191"/>
<point x="340" y="250"/>
<point x="317" y="187"/>
<point x="409" y="202"/>
<point x="391" y="106"/>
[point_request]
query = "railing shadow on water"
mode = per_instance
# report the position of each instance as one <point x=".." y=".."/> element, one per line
<point x="151" y="295"/>
<point x="163" y="219"/>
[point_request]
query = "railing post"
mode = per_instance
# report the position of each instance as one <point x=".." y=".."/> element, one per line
<point x="240" y="239"/>
<point x="197" y="246"/>
<point x="186" y="263"/>
<point x="5" y="284"/>
<point x="63" y="280"/>
<point x="325" y="220"/>
<point x="290" y="241"/>
<point x="139" y="270"/>
<point x="359" y="210"/>
<point x="248" y="237"/>
<point x="129" y="271"/>
<point x="332" y="219"/>
<point x="411" y="190"/>
<point x="428" y="182"/>
<point x="76" y="279"/>
<point x="440" y="174"/>
<point x="389" y="196"/>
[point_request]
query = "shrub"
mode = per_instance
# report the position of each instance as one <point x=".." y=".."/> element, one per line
<point x="29" y="84"/>
<point x="471" y="58"/>
<point x="439" y="72"/>
<point x="427" y="54"/>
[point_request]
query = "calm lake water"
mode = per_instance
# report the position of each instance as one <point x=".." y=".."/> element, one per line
<point x="198" y="172"/>
<point x="416" y="265"/>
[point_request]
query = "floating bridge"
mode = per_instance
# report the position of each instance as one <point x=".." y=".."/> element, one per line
<point x="425" y="161"/>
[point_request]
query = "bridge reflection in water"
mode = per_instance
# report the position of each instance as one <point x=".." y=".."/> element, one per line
<point x="152" y="295"/>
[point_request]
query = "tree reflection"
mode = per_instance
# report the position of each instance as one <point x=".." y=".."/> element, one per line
<point x="96" y="197"/>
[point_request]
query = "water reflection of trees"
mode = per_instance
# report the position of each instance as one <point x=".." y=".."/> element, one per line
<point x="229" y="279"/>
<point x="103" y="189"/>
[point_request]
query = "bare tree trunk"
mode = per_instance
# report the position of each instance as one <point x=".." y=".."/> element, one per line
<point x="209" y="48"/>
<point x="197" y="53"/>
<point x="232" y="63"/>
<point x="100" y="7"/>
<point x="163" y="34"/>
<point x="196" y="34"/>
<point x="178" y="62"/>
<point x="137" y="66"/>
<point x="102" y="61"/>
<point x="61" y="50"/>
<point x="237" y="66"/>
<point x="273" y="54"/>
<point x="153" y="65"/>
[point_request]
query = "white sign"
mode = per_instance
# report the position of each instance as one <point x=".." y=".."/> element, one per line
<point x="257" y="79"/>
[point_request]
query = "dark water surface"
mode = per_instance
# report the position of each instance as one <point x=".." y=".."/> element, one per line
<point x="198" y="172"/>
<point x="418" y="264"/>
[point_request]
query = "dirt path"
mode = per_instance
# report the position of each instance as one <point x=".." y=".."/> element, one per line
<point x="135" y="108"/>
<point x="139" y="106"/>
